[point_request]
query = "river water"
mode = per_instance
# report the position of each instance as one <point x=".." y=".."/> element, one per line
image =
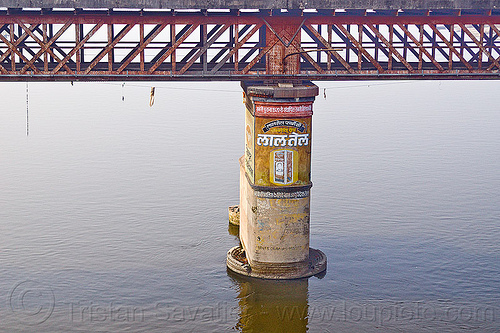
<point x="113" y="214"/>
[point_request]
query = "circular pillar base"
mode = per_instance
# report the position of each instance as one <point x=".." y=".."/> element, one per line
<point x="237" y="262"/>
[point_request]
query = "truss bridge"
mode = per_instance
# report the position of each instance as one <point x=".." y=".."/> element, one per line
<point x="275" y="42"/>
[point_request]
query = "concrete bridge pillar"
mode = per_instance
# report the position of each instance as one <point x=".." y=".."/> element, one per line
<point x="275" y="184"/>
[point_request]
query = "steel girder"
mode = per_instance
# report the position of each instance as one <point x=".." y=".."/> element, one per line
<point x="323" y="45"/>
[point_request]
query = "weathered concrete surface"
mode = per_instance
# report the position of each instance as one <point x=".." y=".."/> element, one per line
<point x="275" y="231"/>
<point x="256" y="4"/>
<point x="275" y="184"/>
<point x="234" y="214"/>
<point x="237" y="262"/>
<point x="281" y="91"/>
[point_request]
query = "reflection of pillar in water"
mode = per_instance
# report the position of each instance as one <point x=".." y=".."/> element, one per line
<point x="272" y="306"/>
<point x="275" y="184"/>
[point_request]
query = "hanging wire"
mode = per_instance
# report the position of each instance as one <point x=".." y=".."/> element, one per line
<point x="172" y="88"/>
<point x="368" y="85"/>
<point x="152" y="91"/>
<point x="27" y="110"/>
<point x="365" y="85"/>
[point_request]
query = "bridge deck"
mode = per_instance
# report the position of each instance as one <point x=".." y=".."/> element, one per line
<point x="256" y="4"/>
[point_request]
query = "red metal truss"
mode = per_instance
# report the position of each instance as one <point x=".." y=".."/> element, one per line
<point x="137" y="45"/>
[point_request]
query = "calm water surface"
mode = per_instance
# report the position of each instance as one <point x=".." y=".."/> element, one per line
<point x="113" y="214"/>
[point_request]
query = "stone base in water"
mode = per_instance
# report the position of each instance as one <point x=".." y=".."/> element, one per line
<point x="237" y="262"/>
<point x="234" y="214"/>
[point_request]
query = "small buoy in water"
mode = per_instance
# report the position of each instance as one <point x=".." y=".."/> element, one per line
<point x="234" y="215"/>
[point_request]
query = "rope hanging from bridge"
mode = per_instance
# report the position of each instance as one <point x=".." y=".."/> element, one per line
<point x="27" y="110"/>
<point x="152" y="97"/>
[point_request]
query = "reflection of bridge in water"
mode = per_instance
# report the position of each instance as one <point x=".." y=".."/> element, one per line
<point x="274" y="41"/>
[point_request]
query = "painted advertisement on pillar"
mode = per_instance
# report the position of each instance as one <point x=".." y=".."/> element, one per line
<point x="278" y="144"/>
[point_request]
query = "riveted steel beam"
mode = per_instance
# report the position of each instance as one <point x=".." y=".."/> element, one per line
<point x="173" y="45"/>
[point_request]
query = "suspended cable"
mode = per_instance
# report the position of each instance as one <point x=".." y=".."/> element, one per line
<point x="151" y="97"/>
<point x="27" y="110"/>
<point x="174" y="88"/>
<point x="368" y="85"/>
